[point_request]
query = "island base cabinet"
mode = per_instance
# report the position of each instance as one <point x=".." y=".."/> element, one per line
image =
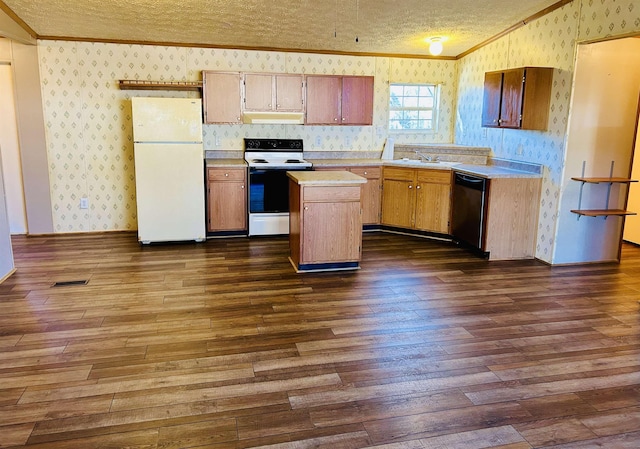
<point x="325" y="227"/>
<point x="340" y="225"/>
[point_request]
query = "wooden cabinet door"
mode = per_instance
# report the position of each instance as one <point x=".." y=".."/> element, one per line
<point x="433" y="200"/>
<point x="221" y="97"/>
<point x="492" y="99"/>
<point x="432" y="207"/>
<point x="512" y="94"/>
<point x="323" y="100"/>
<point x="332" y="232"/>
<point x="289" y="93"/>
<point x="398" y="197"/>
<point x="258" y="92"/>
<point x="357" y="100"/>
<point x="227" y="199"/>
<point x="371" y="196"/>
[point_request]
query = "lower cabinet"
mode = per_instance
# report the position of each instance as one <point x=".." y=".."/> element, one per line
<point x="416" y="199"/>
<point x="325" y="230"/>
<point x="226" y="199"/>
<point x="371" y="191"/>
<point x="512" y="218"/>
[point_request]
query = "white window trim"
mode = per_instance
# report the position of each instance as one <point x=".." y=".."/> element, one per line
<point x="436" y="109"/>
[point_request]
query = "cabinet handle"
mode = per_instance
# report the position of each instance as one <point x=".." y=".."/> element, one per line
<point x="226" y="174"/>
<point x="306" y="208"/>
<point x="335" y="119"/>
<point x="417" y="187"/>
<point x="343" y="119"/>
<point x="410" y="186"/>
<point x="242" y="187"/>
<point x="365" y="173"/>
<point x="269" y="104"/>
<point x="277" y="105"/>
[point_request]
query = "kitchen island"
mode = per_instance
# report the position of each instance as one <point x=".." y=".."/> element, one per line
<point x="325" y="220"/>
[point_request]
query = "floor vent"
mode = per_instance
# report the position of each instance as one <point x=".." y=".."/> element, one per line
<point x="69" y="283"/>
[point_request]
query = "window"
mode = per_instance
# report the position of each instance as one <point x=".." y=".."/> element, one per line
<point x="413" y="107"/>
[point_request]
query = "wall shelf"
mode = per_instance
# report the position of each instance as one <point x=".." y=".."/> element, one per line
<point x="602" y="212"/>
<point x="159" y="85"/>
<point x="597" y="180"/>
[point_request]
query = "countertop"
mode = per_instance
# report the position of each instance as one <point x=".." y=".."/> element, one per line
<point x="345" y="162"/>
<point x="493" y="171"/>
<point x="229" y="163"/>
<point x="485" y="171"/>
<point x="323" y="178"/>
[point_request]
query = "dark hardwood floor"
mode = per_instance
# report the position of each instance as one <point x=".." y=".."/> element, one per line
<point x="221" y="345"/>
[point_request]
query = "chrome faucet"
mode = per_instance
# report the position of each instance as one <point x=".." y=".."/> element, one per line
<point x="422" y="156"/>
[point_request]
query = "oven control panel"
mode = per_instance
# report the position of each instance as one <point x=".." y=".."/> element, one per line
<point x="273" y="144"/>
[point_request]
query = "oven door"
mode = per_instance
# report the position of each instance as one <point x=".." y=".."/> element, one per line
<point x="269" y="200"/>
<point x="268" y="191"/>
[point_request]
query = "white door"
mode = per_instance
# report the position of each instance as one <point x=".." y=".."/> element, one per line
<point x="167" y="119"/>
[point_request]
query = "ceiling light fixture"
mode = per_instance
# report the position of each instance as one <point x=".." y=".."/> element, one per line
<point x="435" y="46"/>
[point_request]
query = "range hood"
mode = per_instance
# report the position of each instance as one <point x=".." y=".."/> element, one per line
<point x="283" y="118"/>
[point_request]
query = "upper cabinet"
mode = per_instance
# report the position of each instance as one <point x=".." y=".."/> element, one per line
<point x="234" y="97"/>
<point x="221" y="97"/>
<point x="268" y="92"/>
<point x="339" y="100"/>
<point x="517" y="98"/>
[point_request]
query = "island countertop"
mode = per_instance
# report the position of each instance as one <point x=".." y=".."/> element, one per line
<point x="322" y="178"/>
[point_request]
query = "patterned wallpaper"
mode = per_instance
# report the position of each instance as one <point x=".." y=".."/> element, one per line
<point x="88" y="121"/>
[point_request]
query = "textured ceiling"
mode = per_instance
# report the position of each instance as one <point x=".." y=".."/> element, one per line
<point x="380" y="26"/>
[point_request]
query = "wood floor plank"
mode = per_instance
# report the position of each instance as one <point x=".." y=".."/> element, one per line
<point x="221" y="345"/>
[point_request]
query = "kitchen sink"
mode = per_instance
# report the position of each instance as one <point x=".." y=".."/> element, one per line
<point x="421" y="163"/>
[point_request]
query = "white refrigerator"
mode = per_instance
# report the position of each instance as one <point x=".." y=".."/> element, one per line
<point x="169" y="169"/>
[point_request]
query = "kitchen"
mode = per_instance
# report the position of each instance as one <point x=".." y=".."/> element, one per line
<point x="221" y="343"/>
<point x="109" y="167"/>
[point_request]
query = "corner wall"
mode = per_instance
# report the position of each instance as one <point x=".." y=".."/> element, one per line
<point x="601" y="132"/>
<point x="549" y="41"/>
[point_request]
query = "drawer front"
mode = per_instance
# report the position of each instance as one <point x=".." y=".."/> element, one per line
<point x="434" y="176"/>
<point x="226" y="174"/>
<point x="400" y="174"/>
<point x="331" y="194"/>
<point x="367" y="172"/>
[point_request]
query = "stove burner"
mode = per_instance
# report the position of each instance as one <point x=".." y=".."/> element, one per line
<point x="259" y="161"/>
<point x="292" y="161"/>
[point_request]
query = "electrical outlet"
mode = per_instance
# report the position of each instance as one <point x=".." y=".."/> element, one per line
<point x="217" y="141"/>
<point x="318" y="141"/>
<point x="347" y="141"/>
<point x="484" y="133"/>
<point x="84" y="203"/>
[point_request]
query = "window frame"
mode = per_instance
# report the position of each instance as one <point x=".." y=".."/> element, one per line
<point x="435" y="109"/>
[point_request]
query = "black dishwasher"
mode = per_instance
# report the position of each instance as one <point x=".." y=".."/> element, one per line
<point x="468" y="209"/>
